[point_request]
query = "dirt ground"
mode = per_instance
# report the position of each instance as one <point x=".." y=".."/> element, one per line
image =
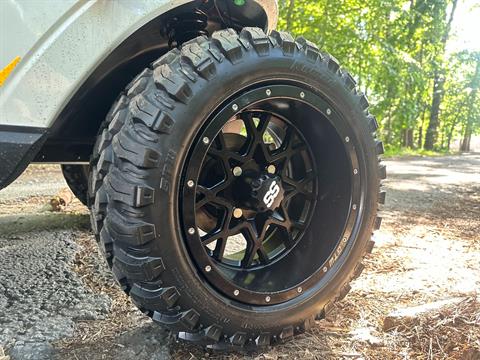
<point x="58" y="301"/>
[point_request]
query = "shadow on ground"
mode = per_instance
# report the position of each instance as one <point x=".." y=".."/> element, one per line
<point x="58" y="300"/>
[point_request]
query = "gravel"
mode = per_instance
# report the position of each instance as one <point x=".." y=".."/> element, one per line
<point x="58" y="299"/>
<point x="41" y="298"/>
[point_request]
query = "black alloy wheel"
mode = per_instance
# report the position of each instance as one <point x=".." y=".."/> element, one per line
<point x="250" y="192"/>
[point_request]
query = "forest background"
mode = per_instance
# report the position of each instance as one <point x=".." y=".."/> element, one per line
<point x="421" y="77"/>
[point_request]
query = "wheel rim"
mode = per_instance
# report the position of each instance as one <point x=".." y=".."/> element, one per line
<point x="250" y="190"/>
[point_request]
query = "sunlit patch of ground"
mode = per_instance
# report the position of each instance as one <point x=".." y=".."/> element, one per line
<point x="427" y="250"/>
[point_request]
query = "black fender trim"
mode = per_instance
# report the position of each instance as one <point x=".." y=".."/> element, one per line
<point x="18" y="147"/>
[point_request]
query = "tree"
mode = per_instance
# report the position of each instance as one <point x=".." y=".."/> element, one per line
<point x="439" y="76"/>
<point x="473" y="113"/>
<point x="396" y="50"/>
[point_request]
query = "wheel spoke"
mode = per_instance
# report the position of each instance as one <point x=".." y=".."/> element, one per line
<point x="255" y="131"/>
<point x="287" y="149"/>
<point x="264" y="227"/>
<point x="298" y="148"/>
<point x="289" y="241"/>
<point x="250" y="233"/>
<point x="299" y="187"/>
<point x="278" y="156"/>
<point x="220" y="234"/>
<point x="210" y="195"/>
<point x="220" y="248"/>
<point x="250" y="252"/>
<point x="220" y="140"/>
<point x="299" y="225"/>
<point x="262" y="254"/>
<point x="287" y="224"/>
<point x="263" y="122"/>
<point x="281" y="219"/>
<point x="224" y="156"/>
<point x="252" y="135"/>
<point x="212" y="236"/>
<point x="250" y="126"/>
<point x="287" y="221"/>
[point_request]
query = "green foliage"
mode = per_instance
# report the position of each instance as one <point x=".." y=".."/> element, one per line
<point x="393" y="151"/>
<point x="394" y="48"/>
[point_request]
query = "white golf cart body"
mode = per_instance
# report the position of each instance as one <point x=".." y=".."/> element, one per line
<point x="63" y="62"/>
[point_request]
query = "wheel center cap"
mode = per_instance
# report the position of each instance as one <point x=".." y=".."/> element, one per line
<point x="268" y="192"/>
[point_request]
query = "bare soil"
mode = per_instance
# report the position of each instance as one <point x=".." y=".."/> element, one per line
<point x="428" y="250"/>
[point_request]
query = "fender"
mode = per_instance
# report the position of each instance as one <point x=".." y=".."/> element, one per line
<point x="66" y="55"/>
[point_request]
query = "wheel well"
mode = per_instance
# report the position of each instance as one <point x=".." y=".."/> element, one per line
<point x="71" y="138"/>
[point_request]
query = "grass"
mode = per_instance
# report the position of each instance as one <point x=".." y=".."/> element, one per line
<point x="394" y="151"/>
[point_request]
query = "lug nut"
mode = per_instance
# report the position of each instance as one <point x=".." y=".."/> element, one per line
<point x="191" y="231"/>
<point x="237" y="213"/>
<point x="208" y="268"/>
<point x="237" y="171"/>
<point x="190" y="183"/>
<point x="267" y="299"/>
<point x="236" y="292"/>
<point x="234" y="107"/>
<point x="329" y="111"/>
<point x="206" y="140"/>
<point x="268" y="92"/>
<point x="271" y="169"/>
<point x="302" y="94"/>
<point x="299" y="289"/>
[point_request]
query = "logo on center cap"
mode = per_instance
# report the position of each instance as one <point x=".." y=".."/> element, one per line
<point x="271" y="194"/>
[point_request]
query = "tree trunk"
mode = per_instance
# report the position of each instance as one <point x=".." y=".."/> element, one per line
<point x="467" y="137"/>
<point x="407" y="138"/>
<point x="431" y="135"/>
<point x="442" y="139"/>
<point x="450" y="134"/>
<point x="438" y="83"/>
<point x="291" y="5"/>
<point x="420" y="136"/>
<point x="389" y="126"/>
<point x="410" y="138"/>
<point x="420" y="129"/>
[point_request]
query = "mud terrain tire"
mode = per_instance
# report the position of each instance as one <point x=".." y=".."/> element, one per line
<point x="138" y="176"/>
<point x="76" y="177"/>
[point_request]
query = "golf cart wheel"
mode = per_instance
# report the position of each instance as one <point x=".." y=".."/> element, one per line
<point x="76" y="177"/>
<point x="235" y="187"/>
